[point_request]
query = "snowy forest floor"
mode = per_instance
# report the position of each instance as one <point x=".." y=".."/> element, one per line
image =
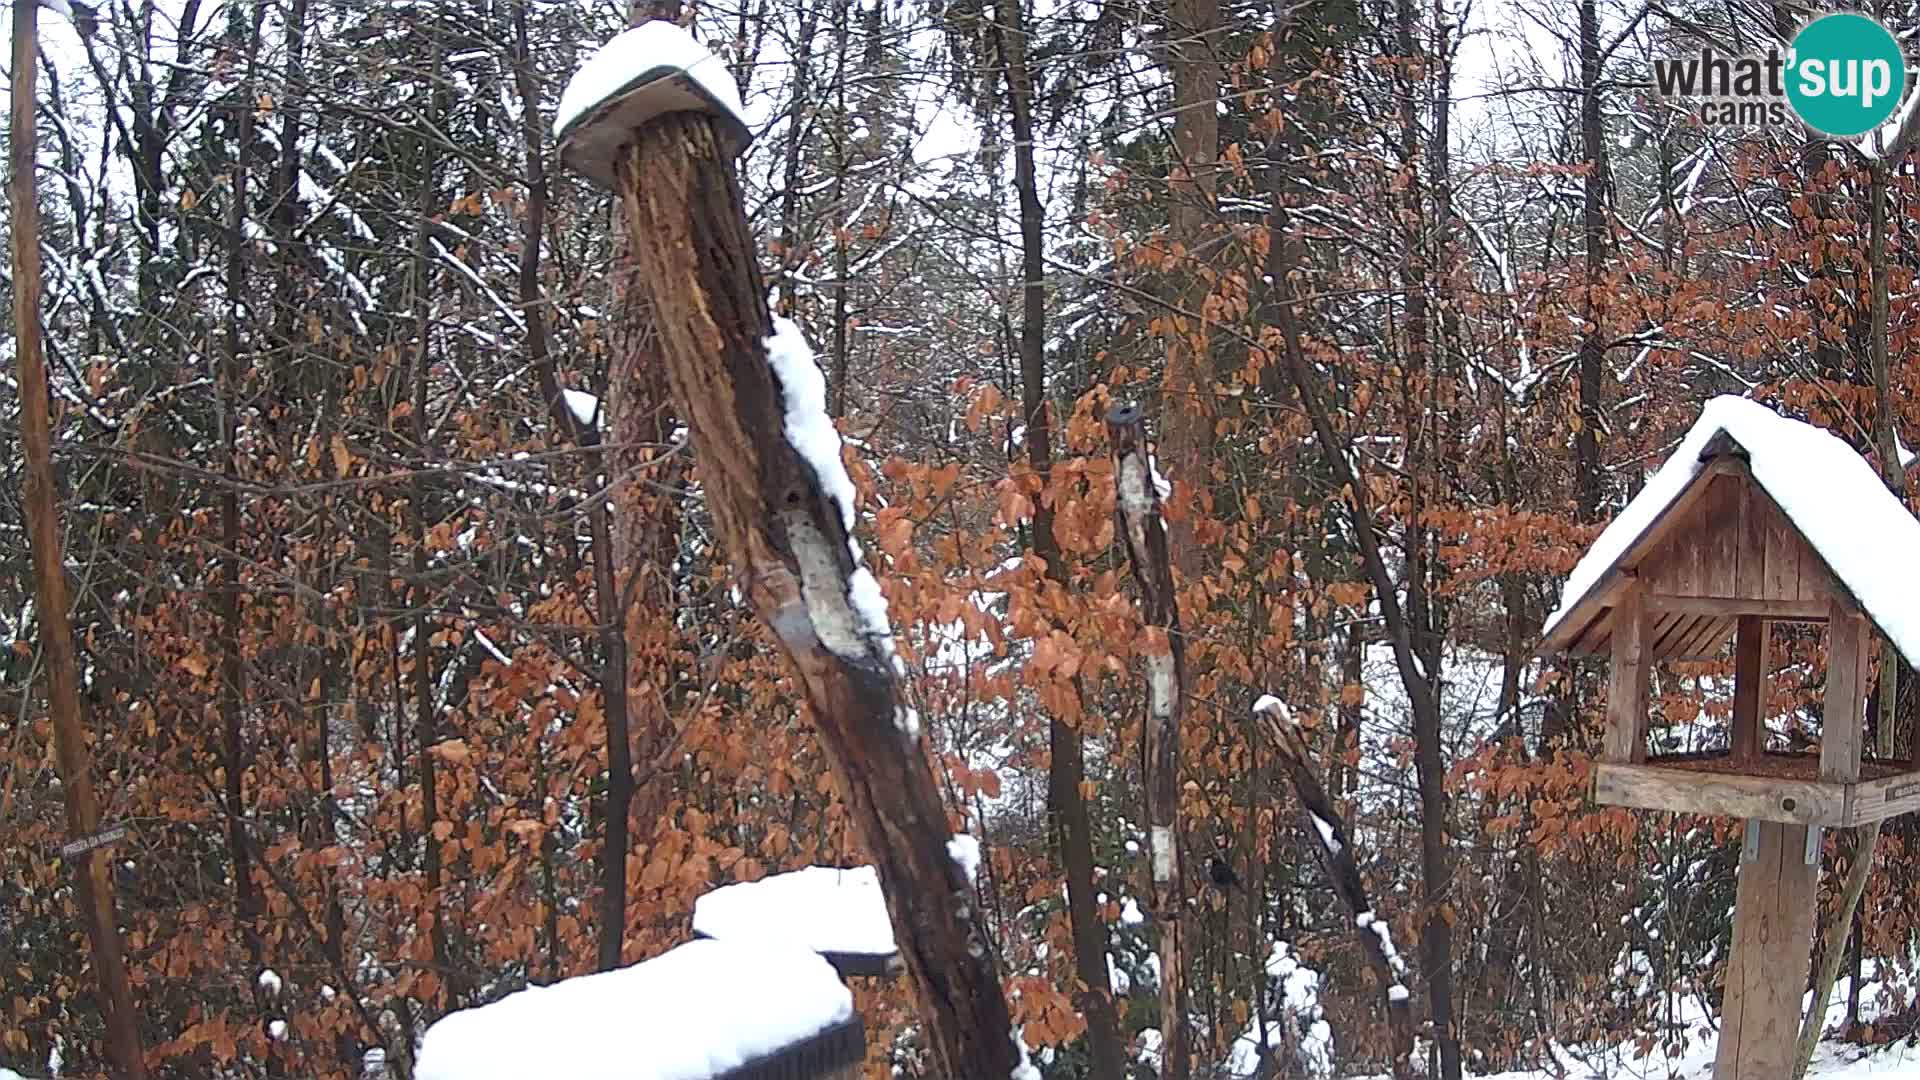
<point x="1692" y="1057"/>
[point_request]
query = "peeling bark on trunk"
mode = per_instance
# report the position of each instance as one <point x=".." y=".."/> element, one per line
<point x="787" y="543"/>
<point x="1145" y="534"/>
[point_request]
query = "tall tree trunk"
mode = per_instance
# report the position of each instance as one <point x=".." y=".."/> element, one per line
<point x="1586" y="442"/>
<point x="1067" y="770"/>
<point x="237" y="756"/>
<point x="1137" y="499"/>
<point x="426" y="720"/>
<point x="784" y="526"/>
<point x="640" y="535"/>
<point x="1436" y="937"/>
<point x="92" y="881"/>
<point x="1186" y="426"/>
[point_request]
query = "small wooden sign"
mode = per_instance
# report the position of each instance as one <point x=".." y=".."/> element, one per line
<point x="110" y="835"/>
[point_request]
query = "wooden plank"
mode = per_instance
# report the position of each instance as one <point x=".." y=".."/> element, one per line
<point x="1751" y="578"/>
<point x="1706" y="641"/>
<point x="1627" y="681"/>
<point x="1767" y="967"/>
<point x="1720" y="539"/>
<point x="1664" y="635"/>
<point x="1793" y="609"/>
<point x="1592" y="640"/>
<point x="1812" y="572"/>
<point x="1877" y="800"/>
<point x="1749" y="687"/>
<point x="1782" y="558"/>
<point x="1691" y="791"/>
<point x="1843" y="713"/>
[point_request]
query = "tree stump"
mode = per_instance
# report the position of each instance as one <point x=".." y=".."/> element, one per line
<point x="786" y="535"/>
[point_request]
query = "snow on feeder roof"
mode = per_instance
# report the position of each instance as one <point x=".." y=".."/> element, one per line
<point x="708" y="1010"/>
<point x="650" y="70"/>
<point x="1857" y="535"/>
<point x="840" y="914"/>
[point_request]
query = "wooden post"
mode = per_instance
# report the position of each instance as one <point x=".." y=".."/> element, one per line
<point x="1137" y="501"/>
<point x="1767" y="969"/>
<point x="785" y="529"/>
<point x="1750" y="687"/>
<point x="1843" y="713"/>
<point x="1626" y="741"/>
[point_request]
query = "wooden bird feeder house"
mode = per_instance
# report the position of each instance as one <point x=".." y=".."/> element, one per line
<point x="1756" y="519"/>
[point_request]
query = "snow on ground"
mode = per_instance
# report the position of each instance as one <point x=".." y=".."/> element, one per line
<point x="820" y="908"/>
<point x="1829" y="492"/>
<point x="1692" y="1057"/>
<point x="703" y="1008"/>
<point x="633" y="54"/>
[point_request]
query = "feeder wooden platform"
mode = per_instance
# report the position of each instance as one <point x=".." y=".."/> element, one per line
<point x="1770" y="787"/>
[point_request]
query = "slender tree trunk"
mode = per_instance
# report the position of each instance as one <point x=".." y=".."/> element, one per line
<point x="1400" y="634"/>
<point x="92" y="880"/>
<point x="234" y="750"/>
<point x="1067" y="770"/>
<point x="1436" y="937"/>
<point x="1137" y="499"/>
<point x="236" y="754"/>
<point x="1586" y="443"/>
<point x="426" y="720"/>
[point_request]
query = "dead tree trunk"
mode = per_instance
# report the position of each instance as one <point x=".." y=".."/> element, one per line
<point x="1139" y="492"/>
<point x="1335" y="850"/>
<point x="93" y="886"/>
<point x="784" y="513"/>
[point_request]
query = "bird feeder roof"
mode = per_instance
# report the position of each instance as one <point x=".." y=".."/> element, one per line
<point x="1834" y="510"/>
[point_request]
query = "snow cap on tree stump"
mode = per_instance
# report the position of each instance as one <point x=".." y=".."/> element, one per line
<point x="651" y="70"/>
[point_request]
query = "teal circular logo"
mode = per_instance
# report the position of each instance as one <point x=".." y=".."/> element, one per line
<point x="1845" y="74"/>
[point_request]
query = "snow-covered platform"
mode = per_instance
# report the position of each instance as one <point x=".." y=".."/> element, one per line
<point x="839" y="914"/>
<point x="708" y="1010"/>
<point x="1773" y="787"/>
